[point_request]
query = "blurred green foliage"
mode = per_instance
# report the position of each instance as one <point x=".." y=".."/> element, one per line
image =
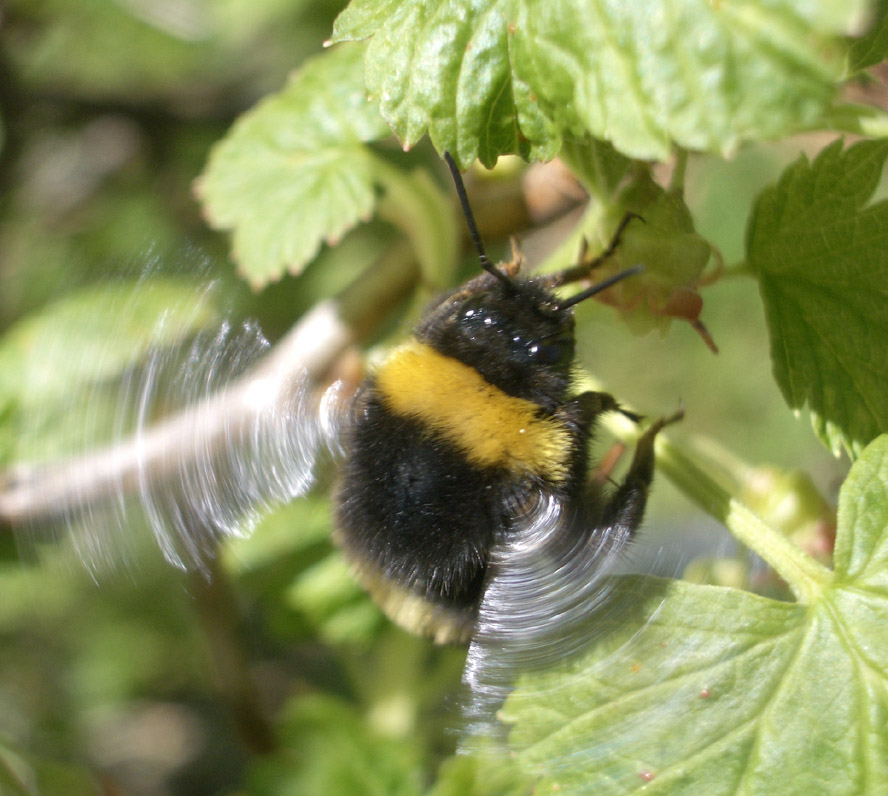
<point x="125" y="680"/>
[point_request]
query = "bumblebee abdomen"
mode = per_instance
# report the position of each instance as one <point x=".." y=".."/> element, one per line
<point x="416" y="518"/>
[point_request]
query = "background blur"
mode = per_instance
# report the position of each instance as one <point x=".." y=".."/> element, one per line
<point x="129" y="682"/>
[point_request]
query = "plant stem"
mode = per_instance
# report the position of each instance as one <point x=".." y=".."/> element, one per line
<point x="595" y="163"/>
<point x="219" y="618"/>
<point x="676" y="182"/>
<point x="806" y="577"/>
<point x="742" y="268"/>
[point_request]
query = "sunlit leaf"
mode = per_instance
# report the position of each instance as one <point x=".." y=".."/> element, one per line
<point x="506" y="76"/>
<point x="701" y="689"/>
<point x="295" y="172"/>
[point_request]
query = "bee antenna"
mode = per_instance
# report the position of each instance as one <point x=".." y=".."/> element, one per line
<point x="598" y="287"/>
<point x="470" y="222"/>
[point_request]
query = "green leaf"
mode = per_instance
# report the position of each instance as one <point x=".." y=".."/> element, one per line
<point x="700" y="689"/>
<point x="332" y="750"/>
<point x="102" y="50"/>
<point x="482" y="774"/>
<point x="290" y="530"/>
<point x="330" y="598"/>
<point x="26" y="775"/>
<point x="514" y="76"/>
<point x="872" y="47"/>
<point x="96" y="333"/>
<point x="819" y="252"/>
<point x="861" y="554"/>
<point x="185" y="56"/>
<point x="295" y="172"/>
<point x="662" y="239"/>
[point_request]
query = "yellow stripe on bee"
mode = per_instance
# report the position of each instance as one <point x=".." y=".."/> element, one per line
<point x="489" y="426"/>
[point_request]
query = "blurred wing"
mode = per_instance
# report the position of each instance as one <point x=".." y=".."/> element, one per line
<point x="207" y="432"/>
<point x="548" y="581"/>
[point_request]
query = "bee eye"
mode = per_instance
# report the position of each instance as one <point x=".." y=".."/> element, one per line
<point x="551" y="354"/>
<point x="555" y="351"/>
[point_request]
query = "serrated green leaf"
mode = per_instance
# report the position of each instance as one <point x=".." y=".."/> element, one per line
<point x="514" y="76"/>
<point x="295" y="172"/>
<point x="661" y="238"/>
<point x="700" y="689"/>
<point x="861" y="553"/>
<point x="819" y="252"/>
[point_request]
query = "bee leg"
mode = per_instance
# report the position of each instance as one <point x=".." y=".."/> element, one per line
<point x="587" y="406"/>
<point x="625" y="510"/>
<point x="581" y="415"/>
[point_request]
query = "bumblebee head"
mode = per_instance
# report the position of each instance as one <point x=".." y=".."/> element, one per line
<point x="523" y="325"/>
<point x="512" y="332"/>
<point x="516" y="332"/>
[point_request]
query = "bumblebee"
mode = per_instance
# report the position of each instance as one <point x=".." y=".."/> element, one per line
<point x="465" y="439"/>
<point x="458" y="433"/>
